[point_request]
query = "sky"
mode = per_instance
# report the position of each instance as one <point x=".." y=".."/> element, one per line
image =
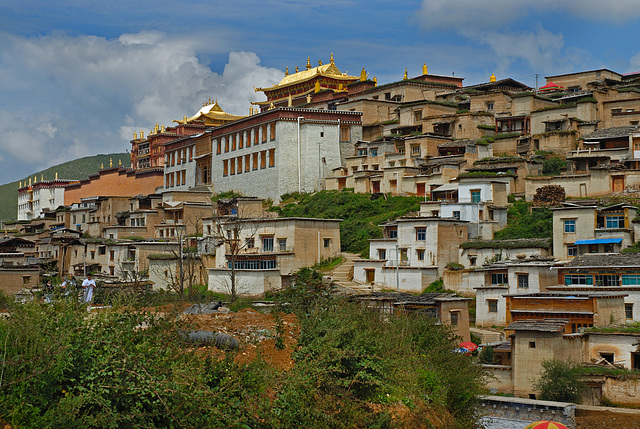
<point x="78" y="77"/>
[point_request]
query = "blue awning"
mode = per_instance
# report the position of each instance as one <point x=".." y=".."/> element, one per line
<point x="600" y="241"/>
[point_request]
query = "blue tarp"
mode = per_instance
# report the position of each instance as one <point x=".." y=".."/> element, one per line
<point x="600" y="241"/>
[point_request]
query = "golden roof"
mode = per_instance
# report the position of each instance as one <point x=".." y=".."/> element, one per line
<point x="210" y="112"/>
<point x="327" y="70"/>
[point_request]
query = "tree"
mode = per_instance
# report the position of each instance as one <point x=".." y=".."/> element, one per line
<point x="235" y="235"/>
<point x="560" y="381"/>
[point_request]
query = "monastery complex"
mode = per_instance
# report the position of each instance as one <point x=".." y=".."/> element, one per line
<point x="468" y="152"/>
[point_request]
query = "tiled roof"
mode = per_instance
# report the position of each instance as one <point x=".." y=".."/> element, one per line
<point x="408" y="299"/>
<point x="611" y="133"/>
<point x="605" y="260"/>
<point x="545" y="325"/>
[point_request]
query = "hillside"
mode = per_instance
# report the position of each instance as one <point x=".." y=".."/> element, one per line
<point x="76" y="169"/>
<point x="360" y="213"/>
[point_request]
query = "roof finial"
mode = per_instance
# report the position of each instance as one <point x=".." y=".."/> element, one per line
<point x="141" y="135"/>
<point x="425" y="69"/>
<point x="56" y="175"/>
<point x="41" y="177"/>
<point x="289" y="101"/>
<point x="135" y="135"/>
<point x="286" y="71"/>
<point x="110" y="162"/>
<point x="119" y="165"/>
<point x="319" y="62"/>
<point x="102" y="166"/>
<point x="492" y="78"/>
<point x="331" y="60"/>
<point x="308" y="62"/>
<point x="405" y="74"/>
<point x="375" y="81"/>
<point x="363" y="75"/>
<point x="20" y="185"/>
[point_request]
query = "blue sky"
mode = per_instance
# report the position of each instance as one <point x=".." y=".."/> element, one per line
<point x="77" y="78"/>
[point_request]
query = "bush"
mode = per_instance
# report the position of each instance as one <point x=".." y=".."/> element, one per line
<point x="560" y="381"/>
<point x="553" y="166"/>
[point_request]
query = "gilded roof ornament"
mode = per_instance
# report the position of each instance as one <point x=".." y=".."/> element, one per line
<point x="375" y="81"/>
<point x="405" y="74"/>
<point x="316" y="87"/>
<point x="110" y="162"/>
<point x="41" y="177"/>
<point x="272" y="106"/>
<point x="102" y="166"/>
<point x="425" y="69"/>
<point x="319" y="62"/>
<point x="119" y="165"/>
<point x="308" y="62"/>
<point x="363" y="75"/>
<point x="286" y="71"/>
<point x="308" y="98"/>
<point x="331" y="59"/>
<point x="289" y="101"/>
<point x="297" y="69"/>
<point x="492" y="78"/>
<point x="56" y="175"/>
<point x="20" y="185"/>
<point x="141" y="135"/>
<point x="135" y="135"/>
<point x="29" y="181"/>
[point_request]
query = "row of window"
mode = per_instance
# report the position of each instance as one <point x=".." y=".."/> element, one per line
<point x="177" y="178"/>
<point x="179" y="156"/>
<point x="611" y="222"/>
<point x="602" y="279"/>
<point x="254" y="264"/>
<point x="245" y="138"/>
<point x="249" y="162"/>
<point x="503" y="279"/>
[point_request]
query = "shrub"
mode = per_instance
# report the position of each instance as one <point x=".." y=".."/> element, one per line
<point x="560" y="381"/>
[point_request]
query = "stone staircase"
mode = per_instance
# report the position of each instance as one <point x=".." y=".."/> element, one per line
<point x="342" y="276"/>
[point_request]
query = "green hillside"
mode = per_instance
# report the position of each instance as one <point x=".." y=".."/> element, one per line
<point x="76" y="169"/>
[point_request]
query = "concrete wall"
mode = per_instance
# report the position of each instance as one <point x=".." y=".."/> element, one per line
<point x="248" y="282"/>
<point x="516" y="413"/>
<point x="14" y="279"/>
<point x="118" y="182"/>
<point x="499" y="379"/>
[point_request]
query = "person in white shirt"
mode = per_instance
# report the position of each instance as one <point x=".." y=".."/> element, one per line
<point x="87" y="285"/>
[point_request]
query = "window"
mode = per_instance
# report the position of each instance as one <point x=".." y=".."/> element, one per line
<point x="373" y="151"/>
<point x="239" y="161"/>
<point x="382" y="254"/>
<point x="102" y="250"/>
<point x="247" y="163"/>
<point x="250" y="244"/>
<point x="492" y="305"/>
<point x="607" y="280"/>
<point x="609" y="357"/>
<point x="393" y="233"/>
<point x="272" y="157"/>
<point x="456" y="215"/>
<point x="255" y="160"/>
<point x="490" y="105"/>
<point x="226" y="144"/>
<point x="570" y="226"/>
<point x="578" y="279"/>
<point x="112" y="255"/>
<point x="532" y="344"/>
<point x="523" y="281"/>
<point x="417" y="115"/>
<point x="415" y="150"/>
<point x="265" y="264"/>
<point x="26" y="280"/>
<point x="326" y="243"/>
<point x="420" y="255"/>
<point x="344" y="133"/>
<point x="93" y="254"/>
<point x="615" y="221"/>
<point x="628" y="310"/>
<point x="273" y="131"/>
<point x="421" y="234"/>
<point x="263" y="159"/>
<point x="499" y="279"/>
<point x="267" y="244"/>
<point x="282" y="244"/>
<point x="454" y="318"/>
<point x="362" y="152"/>
<point x="572" y="251"/>
<point x="264" y="133"/>
<point x="225" y="167"/>
<point x="630" y="279"/>
<point x="475" y="196"/>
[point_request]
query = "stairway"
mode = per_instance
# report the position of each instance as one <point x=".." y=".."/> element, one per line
<point x="342" y="276"/>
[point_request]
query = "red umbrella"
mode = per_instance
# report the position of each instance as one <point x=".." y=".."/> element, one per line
<point x="469" y="346"/>
<point x="546" y="424"/>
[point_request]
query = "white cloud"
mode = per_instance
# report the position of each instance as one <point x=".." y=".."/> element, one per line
<point x="75" y="96"/>
<point x="465" y="16"/>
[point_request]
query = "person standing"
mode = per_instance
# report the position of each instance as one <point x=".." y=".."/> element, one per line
<point x="88" y="285"/>
<point x="48" y="292"/>
<point x="69" y="287"/>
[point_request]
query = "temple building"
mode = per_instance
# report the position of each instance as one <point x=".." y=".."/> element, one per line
<point x="149" y="152"/>
<point x="296" y="89"/>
